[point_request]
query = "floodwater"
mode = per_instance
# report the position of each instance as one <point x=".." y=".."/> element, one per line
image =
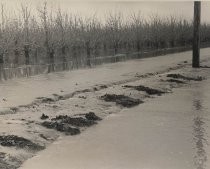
<point x="23" y="91"/>
<point x="168" y="132"/>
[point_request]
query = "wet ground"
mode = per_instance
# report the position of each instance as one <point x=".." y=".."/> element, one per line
<point x="23" y="91"/>
<point x="69" y="103"/>
<point x="171" y="131"/>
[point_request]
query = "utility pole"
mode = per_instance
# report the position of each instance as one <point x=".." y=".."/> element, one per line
<point x="196" y="35"/>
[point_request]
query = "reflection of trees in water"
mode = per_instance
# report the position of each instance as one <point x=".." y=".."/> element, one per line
<point x="199" y="135"/>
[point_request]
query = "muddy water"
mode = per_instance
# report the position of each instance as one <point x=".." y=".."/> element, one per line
<point x="169" y="132"/>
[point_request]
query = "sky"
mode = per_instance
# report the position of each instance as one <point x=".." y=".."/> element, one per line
<point x="102" y="8"/>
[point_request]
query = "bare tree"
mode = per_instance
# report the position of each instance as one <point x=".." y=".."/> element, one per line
<point x="61" y="21"/>
<point x="114" y="25"/>
<point x="55" y="37"/>
<point x="26" y="13"/>
<point x="49" y="47"/>
<point x="137" y="29"/>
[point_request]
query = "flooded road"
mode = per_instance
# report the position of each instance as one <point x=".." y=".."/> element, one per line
<point x="169" y="132"/>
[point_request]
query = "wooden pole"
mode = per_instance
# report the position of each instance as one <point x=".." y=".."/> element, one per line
<point x="196" y="35"/>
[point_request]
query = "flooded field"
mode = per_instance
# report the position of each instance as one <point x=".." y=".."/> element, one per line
<point x="171" y="131"/>
<point x="69" y="81"/>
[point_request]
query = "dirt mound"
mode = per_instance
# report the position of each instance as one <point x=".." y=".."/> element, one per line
<point x="62" y="127"/>
<point x="44" y="117"/>
<point x="91" y="116"/>
<point x="122" y="100"/>
<point x="19" y="142"/>
<point x="69" y="125"/>
<point x="148" y="90"/>
<point x="74" y="121"/>
<point x="179" y="76"/>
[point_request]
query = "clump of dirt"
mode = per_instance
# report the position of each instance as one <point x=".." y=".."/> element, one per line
<point x="122" y="100"/>
<point x="70" y="125"/>
<point x="62" y="127"/>
<point x="82" y="97"/>
<point x="74" y="121"/>
<point x="179" y="76"/>
<point x="9" y="162"/>
<point x="103" y="86"/>
<point x="85" y="91"/>
<point x="46" y="99"/>
<point x="148" y="90"/>
<point x="100" y="87"/>
<point x="44" y="137"/>
<point x="92" y="117"/>
<point x="144" y="75"/>
<point x="14" y="109"/>
<point x="19" y="142"/>
<point x="44" y="117"/>
<point x="175" y="81"/>
<point x="58" y="97"/>
<point x="49" y="125"/>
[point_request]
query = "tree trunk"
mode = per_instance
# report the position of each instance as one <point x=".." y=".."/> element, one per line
<point x="63" y="50"/>
<point x="88" y="53"/>
<point x="1" y="65"/>
<point x="52" y="63"/>
<point x="17" y="54"/>
<point x="26" y="52"/>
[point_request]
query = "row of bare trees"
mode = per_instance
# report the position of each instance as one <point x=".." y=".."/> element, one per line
<point x="57" y="37"/>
